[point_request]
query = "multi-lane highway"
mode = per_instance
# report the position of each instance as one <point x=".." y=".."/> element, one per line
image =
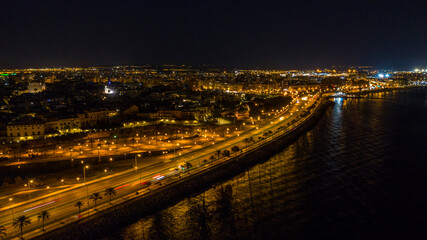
<point x="60" y="203"/>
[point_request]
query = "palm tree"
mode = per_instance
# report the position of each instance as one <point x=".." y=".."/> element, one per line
<point x="246" y="141"/>
<point x="2" y="232"/>
<point x="44" y="216"/>
<point x="95" y="197"/>
<point x="188" y="165"/>
<point x="21" y="221"/>
<point x="235" y="149"/>
<point x="226" y="153"/>
<point x="110" y="192"/>
<point x="79" y="204"/>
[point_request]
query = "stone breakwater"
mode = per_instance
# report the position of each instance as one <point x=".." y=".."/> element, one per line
<point x="106" y="222"/>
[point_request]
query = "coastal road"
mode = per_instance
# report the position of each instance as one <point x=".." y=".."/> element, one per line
<point x="60" y="203"/>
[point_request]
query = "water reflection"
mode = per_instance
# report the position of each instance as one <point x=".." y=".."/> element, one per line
<point x="347" y="178"/>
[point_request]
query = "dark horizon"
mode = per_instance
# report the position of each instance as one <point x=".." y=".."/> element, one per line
<point x="241" y="34"/>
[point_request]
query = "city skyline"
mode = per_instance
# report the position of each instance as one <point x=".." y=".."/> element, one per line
<point x="218" y="67"/>
<point x="212" y="119"/>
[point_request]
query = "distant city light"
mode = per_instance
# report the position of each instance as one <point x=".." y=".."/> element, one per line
<point x="108" y="90"/>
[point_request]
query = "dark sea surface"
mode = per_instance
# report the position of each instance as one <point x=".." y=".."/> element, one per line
<point x="359" y="173"/>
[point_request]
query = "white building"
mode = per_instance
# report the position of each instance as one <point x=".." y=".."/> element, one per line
<point x="36" y="87"/>
<point x="25" y="130"/>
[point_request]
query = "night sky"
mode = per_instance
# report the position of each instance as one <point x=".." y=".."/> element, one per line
<point x="244" y="34"/>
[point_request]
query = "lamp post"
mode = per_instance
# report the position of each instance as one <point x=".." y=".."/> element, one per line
<point x="13" y="214"/>
<point x="84" y="174"/>
<point x="28" y="188"/>
<point x="174" y="150"/>
<point x="136" y="161"/>
<point x="106" y="174"/>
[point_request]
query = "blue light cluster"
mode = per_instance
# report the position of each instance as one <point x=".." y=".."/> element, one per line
<point x="382" y="75"/>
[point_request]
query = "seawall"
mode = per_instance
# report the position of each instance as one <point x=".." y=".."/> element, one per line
<point x="108" y="221"/>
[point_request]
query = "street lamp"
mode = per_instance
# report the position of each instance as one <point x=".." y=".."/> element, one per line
<point x="174" y="150"/>
<point x="78" y="180"/>
<point x="84" y="174"/>
<point x="28" y="185"/>
<point x="136" y="161"/>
